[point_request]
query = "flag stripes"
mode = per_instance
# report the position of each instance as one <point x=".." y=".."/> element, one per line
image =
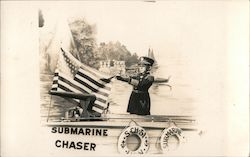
<point x="95" y="108"/>
<point x="90" y="87"/>
<point x="70" y="86"/>
<point x="92" y="75"/>
<point x="90" y="80"/>
<point x="81" y="79"/>
<point x="95" y="73"/>
<point x="81" y="87"/>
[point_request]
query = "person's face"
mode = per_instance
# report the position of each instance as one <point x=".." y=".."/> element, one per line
<point x="142" y="68"/>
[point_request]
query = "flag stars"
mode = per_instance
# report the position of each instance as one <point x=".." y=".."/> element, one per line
<point x="69" y="67"/>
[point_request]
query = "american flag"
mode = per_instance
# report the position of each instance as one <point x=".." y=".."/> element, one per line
<point x="73" y="76"/>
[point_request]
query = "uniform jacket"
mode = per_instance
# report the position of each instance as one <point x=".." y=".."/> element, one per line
<point x="139" y="101"/>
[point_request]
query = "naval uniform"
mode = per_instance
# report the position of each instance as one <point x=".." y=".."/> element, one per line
<point x="139" y="101"/>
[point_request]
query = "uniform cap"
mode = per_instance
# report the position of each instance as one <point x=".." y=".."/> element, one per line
<point x="146" y="61"/>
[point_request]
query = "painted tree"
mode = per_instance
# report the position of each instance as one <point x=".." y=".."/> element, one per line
<point x="88" y="51"/>
<point x="85" y="41"/>
<point x="116" y="51"/>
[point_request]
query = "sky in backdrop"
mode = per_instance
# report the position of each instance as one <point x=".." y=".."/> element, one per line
<point x="174" y="29"/>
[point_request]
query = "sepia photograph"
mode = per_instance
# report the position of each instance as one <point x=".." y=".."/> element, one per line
<point x="111" y="76"/>
<point x="129" y="78"/>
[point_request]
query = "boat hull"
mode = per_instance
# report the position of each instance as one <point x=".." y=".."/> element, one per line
<point x="104" y="134"/>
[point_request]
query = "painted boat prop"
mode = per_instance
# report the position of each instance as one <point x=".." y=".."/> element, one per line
<point x="123" y="133"/>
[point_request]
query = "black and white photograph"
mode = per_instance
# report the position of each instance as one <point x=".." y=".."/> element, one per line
<point x="125" y="78"/>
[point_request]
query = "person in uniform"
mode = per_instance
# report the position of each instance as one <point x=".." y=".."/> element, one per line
<point x="139" y="101"/>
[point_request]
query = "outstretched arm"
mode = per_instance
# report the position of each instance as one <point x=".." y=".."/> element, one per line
<point x="123" y="78"/>
<point x="130" y="79"/>
<point x="162" y="80"/>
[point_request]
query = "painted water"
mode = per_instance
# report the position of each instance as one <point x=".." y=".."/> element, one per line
<point x="177" y="100"/>
<point x="164" y="101"/>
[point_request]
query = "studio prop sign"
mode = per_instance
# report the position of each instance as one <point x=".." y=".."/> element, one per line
<point x="77" y="145"/>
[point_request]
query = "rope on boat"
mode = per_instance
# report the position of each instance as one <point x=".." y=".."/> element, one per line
<point x="129" y="124"/>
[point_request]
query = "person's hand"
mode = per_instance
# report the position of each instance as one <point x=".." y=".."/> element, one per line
<point x="118" y="77"/>
<point x="105" y="80"/>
